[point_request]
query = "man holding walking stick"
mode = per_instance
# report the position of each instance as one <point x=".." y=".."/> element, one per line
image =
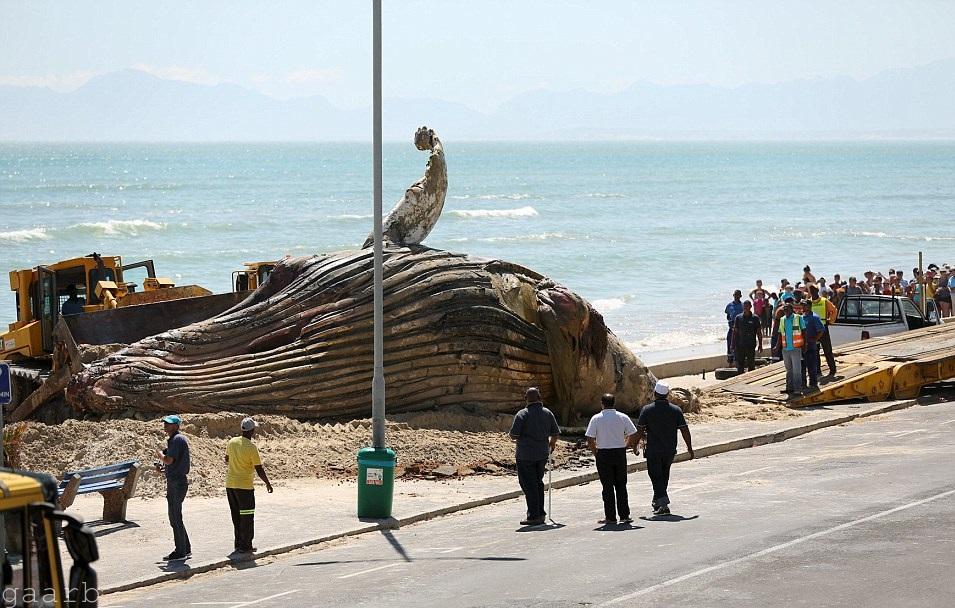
<point x="535" y="430"/>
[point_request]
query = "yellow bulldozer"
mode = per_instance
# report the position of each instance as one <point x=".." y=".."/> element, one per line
<point x="253" y="275"/>
<point x="88" y="284"/>
<point x="31" y="562"/>
<point x="90" y="300"/>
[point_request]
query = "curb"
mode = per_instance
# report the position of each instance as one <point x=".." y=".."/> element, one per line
<point x="566" y="482"/>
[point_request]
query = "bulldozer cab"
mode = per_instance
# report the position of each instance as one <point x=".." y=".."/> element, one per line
<point x="252" y="276"/>
<point x="68" y="287"/>
<point x="32" y="569"/>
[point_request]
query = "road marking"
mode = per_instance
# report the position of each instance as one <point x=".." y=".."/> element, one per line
<point x="752" y="471"/>
<point x="372" y="570"/>
<point x="249" y="603"/>
<point x="774" y="549"/>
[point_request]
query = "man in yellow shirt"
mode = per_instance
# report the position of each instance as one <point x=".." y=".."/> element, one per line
<point x="243" y="458"/>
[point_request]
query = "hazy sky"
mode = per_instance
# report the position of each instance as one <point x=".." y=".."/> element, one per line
<point x="478" y="53"/>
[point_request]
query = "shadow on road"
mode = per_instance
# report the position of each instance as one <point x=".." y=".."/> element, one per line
<point x="396" y="544"/>
<point x="670" y="517"/>
<point x="109" y="527"/>
<point x="541" y="527"/>
<point x="620" y="527"/>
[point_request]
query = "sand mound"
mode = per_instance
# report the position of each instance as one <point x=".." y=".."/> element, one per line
<point x="713" y="406"/>
<point x="289" y="448"/>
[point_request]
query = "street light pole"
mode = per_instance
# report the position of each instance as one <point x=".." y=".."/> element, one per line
<point x="376" y="465"/>
<point x="378" y="378"/>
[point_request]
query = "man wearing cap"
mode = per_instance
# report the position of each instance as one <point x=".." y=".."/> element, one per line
<point x="609" y="434"/>
<point x="535" y="430"/>
<point x="732" y="310"/>
<point x="786" y="298"/>
<point x="243" y="457"/>
<point x="658" y="423"/>
<point x="174" y="460"/>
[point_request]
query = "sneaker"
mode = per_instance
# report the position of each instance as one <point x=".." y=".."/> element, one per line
<point x="174" y="556"/>
<point x="661" y="511"/>
<point x="626" y="520"/>
<point x="607" y="522"/>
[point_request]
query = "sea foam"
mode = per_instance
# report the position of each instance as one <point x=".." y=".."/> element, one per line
<point x="118" y="227"/>
<point x="23" y="236"/>
<point x="495" y="213"/>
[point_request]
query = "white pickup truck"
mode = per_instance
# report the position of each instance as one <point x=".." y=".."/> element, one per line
<point x="868" y="316"/>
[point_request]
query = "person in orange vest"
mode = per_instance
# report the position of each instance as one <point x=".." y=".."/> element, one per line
<point x="792" y="343"/>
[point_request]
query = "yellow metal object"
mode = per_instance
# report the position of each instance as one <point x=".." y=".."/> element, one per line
<point x="163" y="295"/>
<point x="154" y="283"/>
<point x="17" y="491"/>
<point x="104" y="285"/>
<point x="253" y="275"/>
<point x="99" y="285"/>
<point x="895" y="366"/>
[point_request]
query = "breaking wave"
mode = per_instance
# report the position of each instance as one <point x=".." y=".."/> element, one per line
<point x="118" y="227"/>
<point x="24" y="236"/>
<point x="495" y="213"/>
<point x="492" y="197"/>
<point x="522" y="238"/>
<point x="607" y="304"/>
<point x="349" y="216"/>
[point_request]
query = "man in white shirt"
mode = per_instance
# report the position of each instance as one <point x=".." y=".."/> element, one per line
<point x="609" y="434"/>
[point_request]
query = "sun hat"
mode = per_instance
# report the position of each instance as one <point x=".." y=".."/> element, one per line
<point x="172" y="419"/>
<point x="248" y="424"/>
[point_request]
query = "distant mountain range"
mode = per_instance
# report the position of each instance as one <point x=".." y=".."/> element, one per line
<point x="134" y="106"/>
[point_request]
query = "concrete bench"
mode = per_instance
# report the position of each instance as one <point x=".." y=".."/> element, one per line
<point x="116" y="482"/>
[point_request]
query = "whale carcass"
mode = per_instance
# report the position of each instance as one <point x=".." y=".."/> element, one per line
<point x="459" y="330"/>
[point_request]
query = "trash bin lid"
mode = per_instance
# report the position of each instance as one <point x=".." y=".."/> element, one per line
<point x="384" y="457"/>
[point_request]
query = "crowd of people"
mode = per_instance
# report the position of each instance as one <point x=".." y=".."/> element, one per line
<point x="815" y="302"/>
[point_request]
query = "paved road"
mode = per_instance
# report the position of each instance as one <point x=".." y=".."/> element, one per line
<point x="862" y="514"/>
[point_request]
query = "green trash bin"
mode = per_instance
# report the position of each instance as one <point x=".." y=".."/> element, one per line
<point x="376" y="482"/>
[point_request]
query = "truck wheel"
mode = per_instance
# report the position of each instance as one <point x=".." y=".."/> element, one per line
<point x="725" y="373"/>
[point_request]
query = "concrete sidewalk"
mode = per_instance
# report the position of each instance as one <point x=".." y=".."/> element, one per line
<point x="303" y="512"/>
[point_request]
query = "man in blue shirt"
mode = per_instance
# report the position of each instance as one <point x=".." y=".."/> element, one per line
<point x="732" y="310"/>
<point x="174" y="460"/>
<point x="813" y="333"/>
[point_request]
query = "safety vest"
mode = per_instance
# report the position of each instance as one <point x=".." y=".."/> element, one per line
<point x="820" y="309"/>
<point x="797" y="330"/>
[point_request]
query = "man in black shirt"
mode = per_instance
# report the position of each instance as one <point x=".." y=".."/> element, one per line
<point x="747" y="330"/>
<point x="658" y="423"/>
<point x="535" y="430"/>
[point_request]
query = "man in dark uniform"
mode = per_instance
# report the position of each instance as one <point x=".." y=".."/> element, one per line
<point x="747" y="331"/>
<point x="658" y="423"/>
<point x="535" y="430"/>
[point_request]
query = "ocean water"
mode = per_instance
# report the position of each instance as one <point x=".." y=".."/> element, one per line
<point x="655" y="235"/>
